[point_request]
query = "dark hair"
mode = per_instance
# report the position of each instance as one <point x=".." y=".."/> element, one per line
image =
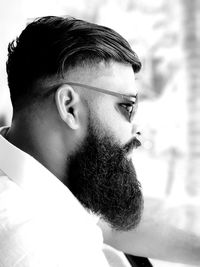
<point x="49" y="46"/>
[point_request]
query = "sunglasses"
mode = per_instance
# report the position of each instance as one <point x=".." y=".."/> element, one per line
<point x="130" y="101"/>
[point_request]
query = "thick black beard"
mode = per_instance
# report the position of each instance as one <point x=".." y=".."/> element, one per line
<point x="104" y="181"/>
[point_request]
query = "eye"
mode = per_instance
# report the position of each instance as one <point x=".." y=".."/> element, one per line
<point x="128" y="109"/>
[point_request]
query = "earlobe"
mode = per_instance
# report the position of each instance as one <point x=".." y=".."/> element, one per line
<point x="67" y="104"/>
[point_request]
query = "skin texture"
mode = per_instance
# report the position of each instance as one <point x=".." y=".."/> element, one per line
<point x="53" y="130"/>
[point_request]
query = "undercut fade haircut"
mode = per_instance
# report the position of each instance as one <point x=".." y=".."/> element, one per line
<point x="49" y="46"/>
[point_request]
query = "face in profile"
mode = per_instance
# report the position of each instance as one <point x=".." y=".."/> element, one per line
<point x="104" y="180"/>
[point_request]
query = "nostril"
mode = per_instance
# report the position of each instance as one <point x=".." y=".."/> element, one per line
<point x="136" y="129"/>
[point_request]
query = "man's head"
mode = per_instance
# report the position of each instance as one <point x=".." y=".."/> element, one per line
<point x="73" y="90"/>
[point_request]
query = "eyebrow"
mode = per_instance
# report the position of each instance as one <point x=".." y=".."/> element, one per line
<point x="134" y="97"/>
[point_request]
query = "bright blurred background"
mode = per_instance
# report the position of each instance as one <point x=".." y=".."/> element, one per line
<point x="165" y="34"/>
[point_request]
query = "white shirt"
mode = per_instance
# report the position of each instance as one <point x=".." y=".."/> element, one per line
<point x="41" y="223"/>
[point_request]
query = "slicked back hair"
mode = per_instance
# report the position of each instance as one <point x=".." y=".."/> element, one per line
<point x="49" y="46"/>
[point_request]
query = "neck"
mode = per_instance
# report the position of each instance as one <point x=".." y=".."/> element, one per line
<point x="45" y="148"/>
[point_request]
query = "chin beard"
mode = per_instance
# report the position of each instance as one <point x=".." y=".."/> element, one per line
<point x="105" y="182"/>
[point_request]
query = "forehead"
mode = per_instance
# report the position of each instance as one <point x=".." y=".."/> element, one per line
<point x="113" y="76"/>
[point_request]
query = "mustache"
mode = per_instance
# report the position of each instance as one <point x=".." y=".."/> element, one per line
<point x="132" y="144"/>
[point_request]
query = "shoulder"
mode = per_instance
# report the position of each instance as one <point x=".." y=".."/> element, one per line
<point x="13" y="215"/>
<point x="39" y="237"/>
<point x="13" y="208"/>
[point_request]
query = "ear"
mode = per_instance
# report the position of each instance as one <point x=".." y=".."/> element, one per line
<point x="67" y="104"/>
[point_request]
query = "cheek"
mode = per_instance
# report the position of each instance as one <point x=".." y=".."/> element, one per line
<point x="113" y="123"/>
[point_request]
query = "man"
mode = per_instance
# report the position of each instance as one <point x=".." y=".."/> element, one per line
<point x="66" y="156"/>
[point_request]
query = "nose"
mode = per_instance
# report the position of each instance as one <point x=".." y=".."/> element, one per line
<point x="136" y="131"/>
